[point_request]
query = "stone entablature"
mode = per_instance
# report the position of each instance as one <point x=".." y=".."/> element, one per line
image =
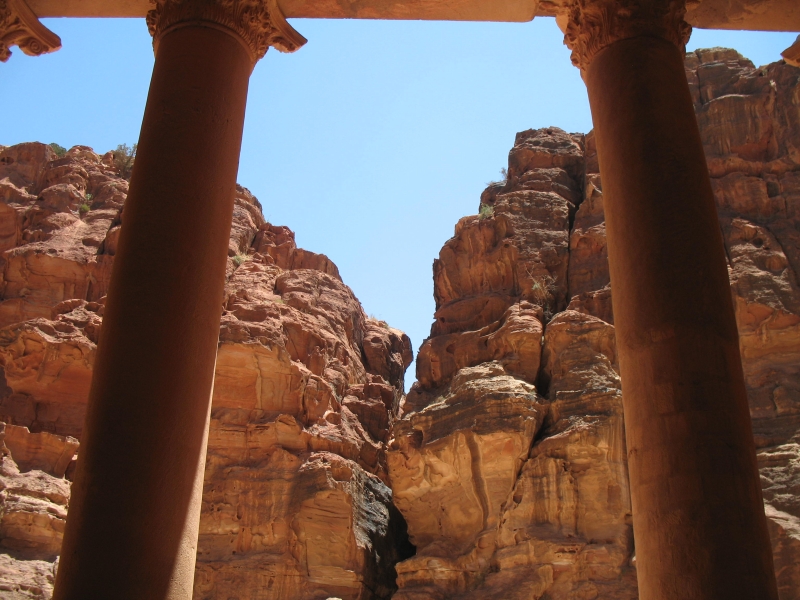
<point x="767" y="15"/>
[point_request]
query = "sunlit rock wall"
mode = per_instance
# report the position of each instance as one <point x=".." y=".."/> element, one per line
<point x="509" y="460"/>
<point x="296" y="503"/>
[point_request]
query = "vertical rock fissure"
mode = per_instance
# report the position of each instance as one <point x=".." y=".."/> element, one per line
<point x="478" y="482"/>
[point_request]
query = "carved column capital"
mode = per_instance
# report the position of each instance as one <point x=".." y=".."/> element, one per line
<point x="259" y="24"/>
<point x="19" y="26"/>
<point x="591" y="25"/>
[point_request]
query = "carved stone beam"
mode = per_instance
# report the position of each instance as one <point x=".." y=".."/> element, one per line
<point x="19" y="26"/>
<point x="589" y="26"/>
<point x="258" y="24"/>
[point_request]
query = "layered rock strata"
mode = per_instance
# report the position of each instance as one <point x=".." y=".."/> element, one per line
<point x="509" y="462"/>
<point x="296" y="502"/>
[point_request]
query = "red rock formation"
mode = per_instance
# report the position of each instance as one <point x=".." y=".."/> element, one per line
<point x="33" y="503"/>
<point x="54" y="254"/>
<point x="507" y="458"/>
<point x="508" y="462"/>
<point x="295" y="504"/>
<point x="559" y="526"/>
<point x="295" y="501"/>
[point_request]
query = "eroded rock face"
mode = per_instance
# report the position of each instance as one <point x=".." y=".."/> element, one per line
<point x="34" y="497"/>
<point x="559" y="523"/>
<point x="64" y="210"/>
<point x="296" y="502"/>
<point x="451" y="482"/>
<point x="509" y="460"/>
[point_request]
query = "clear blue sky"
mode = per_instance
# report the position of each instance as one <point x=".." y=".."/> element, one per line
<point x="370" y="142"/>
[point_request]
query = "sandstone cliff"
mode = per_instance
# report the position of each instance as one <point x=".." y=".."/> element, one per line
<point x="296" y="502"/>
<point x="509" y="458"/>
<point x="506" y="462"/>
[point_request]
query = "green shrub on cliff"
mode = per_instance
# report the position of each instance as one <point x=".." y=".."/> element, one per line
<point x="124" y="157"/>
<point x="486" y="211"/>
<point x="58" y="149"/>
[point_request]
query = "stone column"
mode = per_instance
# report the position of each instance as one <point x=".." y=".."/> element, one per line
<point x="698" y="516"/>
<point x="133" y="519"/>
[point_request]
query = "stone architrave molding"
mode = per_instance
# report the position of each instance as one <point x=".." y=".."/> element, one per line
<point x="19" y="26"/>
<point x="591" y="25"/>
<point x="259" y="24"/>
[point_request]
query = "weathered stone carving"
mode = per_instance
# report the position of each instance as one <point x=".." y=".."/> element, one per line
<point x="259" y="23"/>
<point x="591" y="25"/>
<point x="19" y="26"/>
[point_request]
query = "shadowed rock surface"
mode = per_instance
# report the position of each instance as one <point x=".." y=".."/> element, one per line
<point x="509" y="462"/>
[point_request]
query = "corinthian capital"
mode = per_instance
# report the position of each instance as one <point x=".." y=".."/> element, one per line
<point x="19" y="26"/>
<point x="591" y="25"/>
<point x="258" y="23"/>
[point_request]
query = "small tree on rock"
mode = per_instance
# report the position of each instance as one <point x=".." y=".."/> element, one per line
<point x="124" y="157"/>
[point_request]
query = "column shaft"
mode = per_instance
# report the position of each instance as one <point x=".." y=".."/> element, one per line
<point x="698" y="516"/>
<point x="133" y="517"/>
